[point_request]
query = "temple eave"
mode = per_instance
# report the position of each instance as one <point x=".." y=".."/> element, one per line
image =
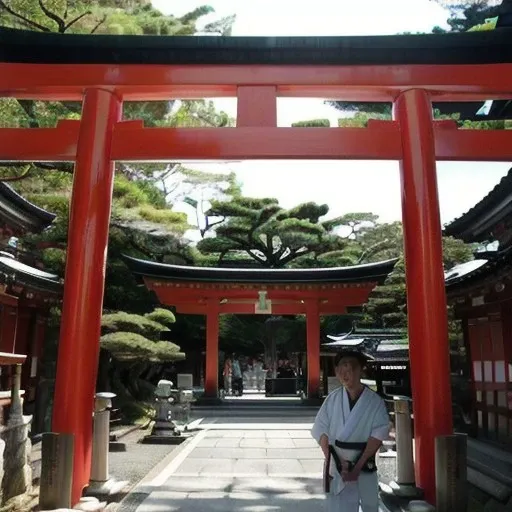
<point x="163" y="275"/>
<point x="478" y="223"/>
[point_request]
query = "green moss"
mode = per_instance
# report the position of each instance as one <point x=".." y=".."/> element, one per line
<point x="161" y="216"/>
<point x="57" y="204"/>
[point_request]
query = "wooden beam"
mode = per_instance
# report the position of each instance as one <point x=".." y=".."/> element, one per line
<point x="7" y="359"/>
<point x="40" y="144"/>
<point x="133" y="142"/>
<point x="348" y="296"/>
<point x="164" y="82"/>
<point x="190" y="308"/>
<point x="256" y="106"/>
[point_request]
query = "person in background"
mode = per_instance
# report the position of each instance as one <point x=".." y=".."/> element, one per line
<point x="227" y="376"/>
<point x="350" y="427"/>
<point x="259" y="374"/>
<point x="237" y="378"/>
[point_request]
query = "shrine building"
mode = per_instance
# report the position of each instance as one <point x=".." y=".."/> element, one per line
<point x="26" y="293"/>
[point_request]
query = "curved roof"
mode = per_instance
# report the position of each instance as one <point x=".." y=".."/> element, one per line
<point x="12" y="271"/>
<point x="461" y="48"/>
<point x="465" y="271"/>
<point x="373" y="272"/>
<point x="20" y="214"/>
<point x="475" y="225"/>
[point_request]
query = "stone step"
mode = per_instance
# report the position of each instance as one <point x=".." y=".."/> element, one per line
<point x="489" y="485"/>
<point x="491" y="461"/>
<point x="251" y="413"/>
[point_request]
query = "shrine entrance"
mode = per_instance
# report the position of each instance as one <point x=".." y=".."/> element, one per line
<point x="408" y="71"/>
<point x="216" y="291"/>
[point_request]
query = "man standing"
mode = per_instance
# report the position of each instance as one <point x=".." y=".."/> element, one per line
<point x="350" y="427"/>
<point x="237" y="378"/>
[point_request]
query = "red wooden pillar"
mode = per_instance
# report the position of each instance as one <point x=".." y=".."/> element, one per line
<point x="211" y="380"/>
<point x="426" y="300"/>
<point x="8" y="322"/>
<point x="313" y="348"/>
<point x="91" y="202"/>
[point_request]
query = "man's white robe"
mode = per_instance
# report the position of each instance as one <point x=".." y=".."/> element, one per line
<point x="368" y="418"/>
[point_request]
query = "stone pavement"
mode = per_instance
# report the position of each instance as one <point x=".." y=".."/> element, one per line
<point x="243" y="468"/>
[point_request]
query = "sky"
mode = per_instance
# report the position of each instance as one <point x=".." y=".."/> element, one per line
<point x="346" y="186"/>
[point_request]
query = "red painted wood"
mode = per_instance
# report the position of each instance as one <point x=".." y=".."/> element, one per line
<point x="7" y="359"/>
<point x="133" y="142"/>
<point x="192" y="308"/>
<point x="256" y="106"/>
<point x="211" y="381"/>
<point x="426" y="300"/>
<point x="84" y="280"/>
<point x="191" y="292"/>
<point x="350" y="83"/>
<point x="40" y="144"/>
<point x="313" y="348"/>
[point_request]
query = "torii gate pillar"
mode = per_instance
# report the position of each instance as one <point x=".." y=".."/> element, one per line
<point x="426" y="300"/>
<point x="91" y="201"/>
<point x="211" y="381"/>
<point x="313" y="348"/>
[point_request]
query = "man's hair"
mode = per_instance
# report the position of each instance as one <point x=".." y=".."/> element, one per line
<point x="351" y="354"/>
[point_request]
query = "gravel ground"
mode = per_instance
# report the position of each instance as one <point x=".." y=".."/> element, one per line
<point x="138" y="459"/>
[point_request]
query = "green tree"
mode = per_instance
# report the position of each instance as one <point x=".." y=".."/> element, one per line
<point x="259" y="231"/>
<point x="387" y="306"/>
<point x="136" y="17"/>
<point x="466" y="15"/>
<point x="132" y="351"/>
<point x="313" y="123"/>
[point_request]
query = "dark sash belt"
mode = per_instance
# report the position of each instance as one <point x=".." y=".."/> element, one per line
<point x="369" y="466"/>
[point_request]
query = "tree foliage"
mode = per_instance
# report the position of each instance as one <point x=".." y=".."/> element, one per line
<point x="387" y="306"/>
<point x="258" y="231"/>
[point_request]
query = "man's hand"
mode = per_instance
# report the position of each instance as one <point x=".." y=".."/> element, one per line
<point x="351" y="476"/>
<point x="324" y="445"/>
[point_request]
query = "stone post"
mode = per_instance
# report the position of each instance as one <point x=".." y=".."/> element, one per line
<point x="17" y="478"/>
<point x="16" y="411"/>
<point x="404" y="450"/>
<point x="451" y="473"/>
<point x="56" y="471"/>
<point x="101" y="437"/>
<point x="404" y="485"/>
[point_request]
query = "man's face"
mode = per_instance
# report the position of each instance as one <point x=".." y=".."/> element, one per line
<point x="349" y="371"/>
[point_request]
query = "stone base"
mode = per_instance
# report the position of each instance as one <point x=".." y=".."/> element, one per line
<point x="108" y="488"/>
<point x="208" y="401"/>
<point x="157" y="438"/>
<point x="420" y="506"/>
<point x="17" y="477"/>
<point x="409" y="491"/>
<point x="87" y="504"/>
<point x="116" y="446"/>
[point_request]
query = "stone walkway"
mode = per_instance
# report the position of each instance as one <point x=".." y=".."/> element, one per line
<point x="242" y="468"/>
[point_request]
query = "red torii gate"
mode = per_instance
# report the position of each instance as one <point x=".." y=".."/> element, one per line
<point x="217" y="291"/>
<point x="409" y="71"/>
